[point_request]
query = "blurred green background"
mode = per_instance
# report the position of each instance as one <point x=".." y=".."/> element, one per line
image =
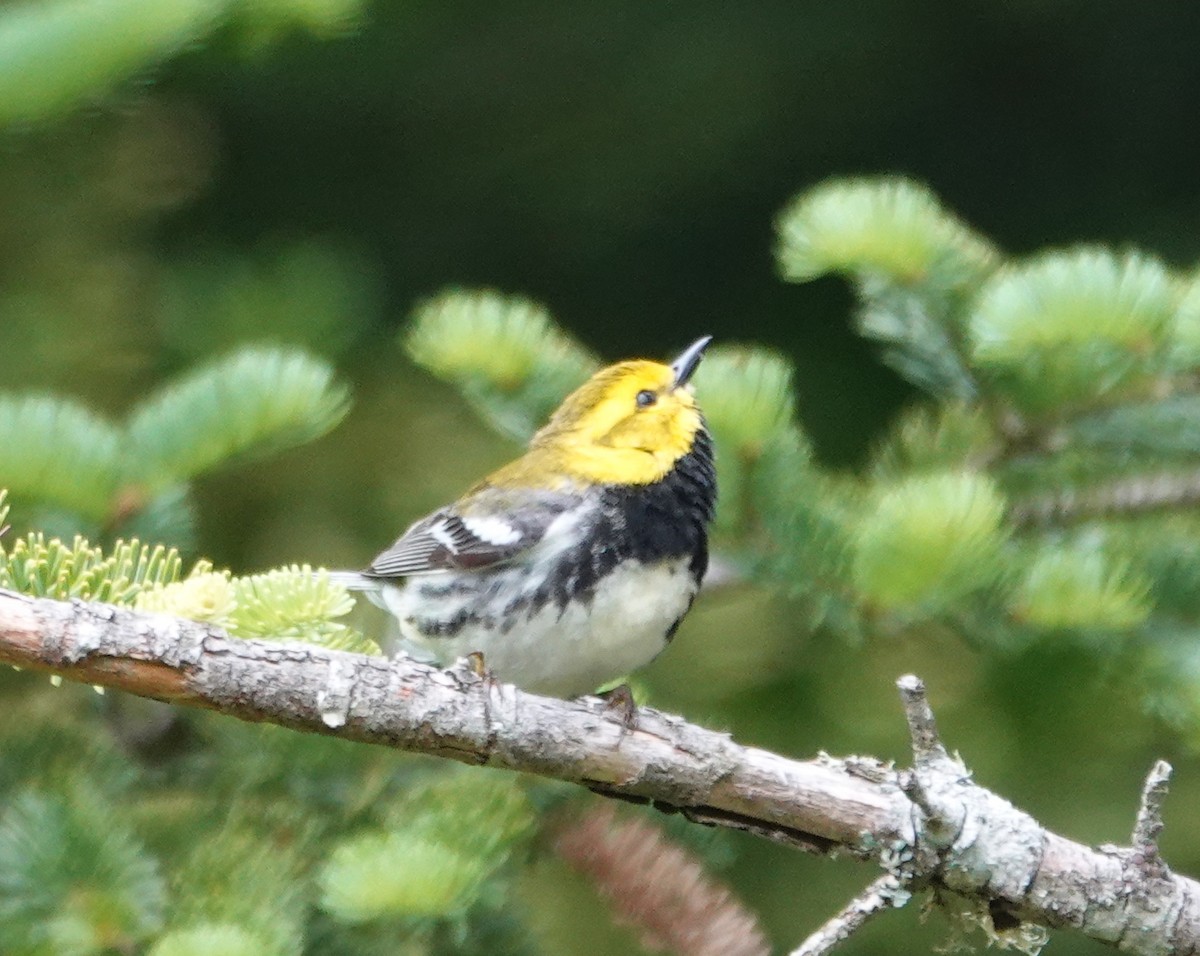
<point x="622" y="163"/>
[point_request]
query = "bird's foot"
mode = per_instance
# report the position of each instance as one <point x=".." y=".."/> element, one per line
<point x="472" y="669"/>
<point x="619" y="702"/>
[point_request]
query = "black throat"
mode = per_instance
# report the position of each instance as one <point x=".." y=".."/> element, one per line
<point x="669" y="518"/>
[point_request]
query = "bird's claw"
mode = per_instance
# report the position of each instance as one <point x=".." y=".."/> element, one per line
<point x="619" y="702"/>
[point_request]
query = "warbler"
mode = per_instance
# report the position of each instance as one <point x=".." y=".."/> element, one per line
<point x="574" y="564"/>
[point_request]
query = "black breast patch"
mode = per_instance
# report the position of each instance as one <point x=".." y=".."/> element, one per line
<point x="648" y="523"/>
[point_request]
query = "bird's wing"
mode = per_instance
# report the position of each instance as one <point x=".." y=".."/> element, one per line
<point x="485" y="530"/>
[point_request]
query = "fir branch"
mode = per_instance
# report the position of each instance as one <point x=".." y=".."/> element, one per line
<point x="914" y="265"/>
<point x="250" y="403"/>
<point x="57" y="451"/>
<point x="1135" y="494"/>
<point x="1072" y="326"/>
<point x="81" y="570"/>
<point x="55" y="55"/>
<point x="932" y="826"/>
<point x="504" y="353"/>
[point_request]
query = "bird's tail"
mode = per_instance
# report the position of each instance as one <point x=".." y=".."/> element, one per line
<point x="373" y="591"/>
<point x="353" y="580"/>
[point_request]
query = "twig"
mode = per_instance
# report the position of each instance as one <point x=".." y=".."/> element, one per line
<point x="922" y="727"/>
<point x="1149" y="823"/>
<point x="722" y="574"/>
<point x="876" y="898"/>
<point x="931" y="784"/>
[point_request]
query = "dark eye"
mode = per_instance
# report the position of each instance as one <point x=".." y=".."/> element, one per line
<point x="646" y="398"/>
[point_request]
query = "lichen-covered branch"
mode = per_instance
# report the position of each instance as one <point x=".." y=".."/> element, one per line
<point x="958" y="837"/>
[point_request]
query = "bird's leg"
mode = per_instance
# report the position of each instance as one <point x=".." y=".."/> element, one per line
<point x="472" y="668"/>
<point x="478" y="666"/>
<point x="619" y="701"/>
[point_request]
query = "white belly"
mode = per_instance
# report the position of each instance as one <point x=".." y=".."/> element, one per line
<point x="562" y="652"/>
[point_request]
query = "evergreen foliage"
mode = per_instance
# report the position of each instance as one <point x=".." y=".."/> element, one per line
<point x="74" y="878"/>
<point x="912" y="262"/>
<point x="256" y="906"/>
<point x="292" y="603"/>
<point x="97" y="476"/>
<point x="504" y="353"/>
<point x="254" y="402"/>
<point x="55" y="54"/>
<point x="1037" y="502"/>
<point x="1028" y="492"/>
<point x="1070" y="327"/>
<point x="53" y="569"/>
<point x="58" y="450"/>
<point x="1016" y="506"/>
<point x="1041" y="495"/>
<point x="928" y="541"/>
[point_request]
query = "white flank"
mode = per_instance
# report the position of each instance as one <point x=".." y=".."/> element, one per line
<point x="560" y="651"/>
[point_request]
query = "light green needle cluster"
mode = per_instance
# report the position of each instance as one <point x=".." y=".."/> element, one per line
<point x="60" y="451"/>
<point x="379" y="875"/>
<point x="52" y="55"/>
<point x="56" y="55"/>
<point x="117" y="575"/>
<point x="246" y="892"/>
<point x="293" y="603"/>
<point x="1185" y="332"/>
<point x="927" y="541"/>
<point x="891" y="228"/>
<point x="747" y="394"/>
<point x="207" y="938"/>
<point x="94" y="475"/>
<point x="254" y="402"/>
<point x="911" y="261"/>
<point x="1070" y="327"/>
<point x="1078" y="585"/>
<point x="748" y="397"/>
<point x="426" y="864"/>
<point x="511" y="362"/>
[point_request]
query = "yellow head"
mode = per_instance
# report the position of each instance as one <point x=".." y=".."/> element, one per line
<point x="628" y="424"/>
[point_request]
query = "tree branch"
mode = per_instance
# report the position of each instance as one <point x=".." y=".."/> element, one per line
<point x="1130" y="495"/>
<point x="958" y="837"/>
